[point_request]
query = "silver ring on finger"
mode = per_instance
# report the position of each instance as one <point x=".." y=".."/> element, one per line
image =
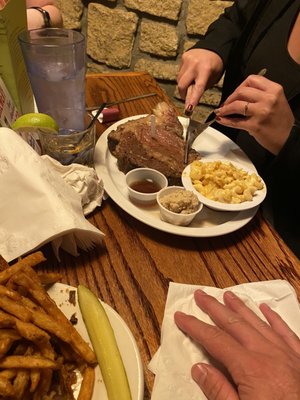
<point x="246" y="109"/>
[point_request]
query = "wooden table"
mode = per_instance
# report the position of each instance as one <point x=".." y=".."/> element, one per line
<point x="133" y="268"/>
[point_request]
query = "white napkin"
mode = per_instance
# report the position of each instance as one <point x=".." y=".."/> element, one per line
<point x="173" y="361"/>
<point x="83" y="180"/>
<point x="36" y="205"/>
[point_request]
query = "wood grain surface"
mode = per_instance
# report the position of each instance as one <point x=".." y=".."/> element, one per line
<point x="131" y="271"/>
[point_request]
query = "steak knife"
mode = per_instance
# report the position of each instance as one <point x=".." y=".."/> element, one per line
<point x="193" y="130"/>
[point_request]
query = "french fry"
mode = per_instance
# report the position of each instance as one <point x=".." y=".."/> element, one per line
<point x="30" y="305"/>
<point x="50" y="325"/>
<point x="20" y="383"/>
<point x="49" y="278"/>
<point x="87" y="384"/>
<point x="39" y="347"/>
<point x="7" y="338"/>
<point x="9" y="334"/>
<point x="35" y="376"/>
<point x="8" y="373"/>
<point x="31" y="332"/>
<point x="6" y="388"/>
<point x="72" y="336"/>
<point x="12" y="294"/>
<point x="46" y="350"/>
<point x="15" y="309"/>
<point x="6" y="320"/>
<point x="31" y="260"/>
<point x="44" y="384"/>
<point x="67" y="352"/>
<point x="27" y="362"/>
<point x="5" y="345"/>
<point x="3" y="264"/>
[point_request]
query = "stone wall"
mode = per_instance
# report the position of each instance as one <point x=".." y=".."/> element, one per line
<point x="148" y="35"/>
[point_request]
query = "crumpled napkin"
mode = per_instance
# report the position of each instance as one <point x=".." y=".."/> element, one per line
<point x="36" y="205"/>
<point x="83" y="180"/>
<point x="173" y="361"/>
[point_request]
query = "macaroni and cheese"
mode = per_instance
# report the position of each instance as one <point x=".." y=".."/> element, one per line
<point x="224" y="182"/>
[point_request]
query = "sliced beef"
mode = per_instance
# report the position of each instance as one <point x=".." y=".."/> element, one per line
<point x="135" y="145"/>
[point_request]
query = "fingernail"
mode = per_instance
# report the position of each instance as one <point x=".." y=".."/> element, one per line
<point x="265" y="306"/>
<point x="199" y="373"/>
<point x="179" y="313"/>
<point x="216" y="111"/>
<point x="201" y="292"/>
<point x="231" y="295"/>
<point x="189" y="110"/>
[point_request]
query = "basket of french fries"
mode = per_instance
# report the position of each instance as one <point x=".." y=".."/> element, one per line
<point x="41" y="352"/>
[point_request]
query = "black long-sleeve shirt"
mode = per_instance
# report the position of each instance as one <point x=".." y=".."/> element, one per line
<point x="249" y="36"/>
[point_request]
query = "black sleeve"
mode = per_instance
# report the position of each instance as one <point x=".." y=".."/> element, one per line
<point x="227" y="29"/>
<point x="287" y="163"/>
<point x="283" y="176"/>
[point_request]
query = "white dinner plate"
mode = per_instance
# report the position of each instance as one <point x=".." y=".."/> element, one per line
<point x="258" y="197"/>
<point x="209" y="223"/>
<point x="126" y="342"/>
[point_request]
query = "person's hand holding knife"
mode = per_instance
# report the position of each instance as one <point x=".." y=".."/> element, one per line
<point x="199" y="70"/>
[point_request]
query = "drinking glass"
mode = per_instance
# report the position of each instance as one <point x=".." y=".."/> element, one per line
<point x="55" y="62"/>
<point x="70" y="146"/>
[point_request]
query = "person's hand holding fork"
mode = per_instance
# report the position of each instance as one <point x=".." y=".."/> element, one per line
<point x="264" y="110"/>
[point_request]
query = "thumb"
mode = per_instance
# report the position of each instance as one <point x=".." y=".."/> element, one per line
<point x="213" y="383"/>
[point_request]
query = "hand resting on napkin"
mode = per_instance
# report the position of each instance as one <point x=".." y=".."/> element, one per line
<point x="264" y="361"/>
<point x="253" y="343"/>
<point x="36" y="205"/>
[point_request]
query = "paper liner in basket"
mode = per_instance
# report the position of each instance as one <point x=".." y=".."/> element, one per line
<point x="36" y="205"/>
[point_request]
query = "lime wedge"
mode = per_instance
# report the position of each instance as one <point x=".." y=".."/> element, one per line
<point x="35" y="120"/>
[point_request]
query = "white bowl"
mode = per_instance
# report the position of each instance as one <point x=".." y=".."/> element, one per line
<point x="258" y="197"/>
<point x="139" y="180"/>
<point x="172" y="217"/>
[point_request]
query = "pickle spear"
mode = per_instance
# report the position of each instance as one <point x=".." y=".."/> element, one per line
<point x="104" y="344"/>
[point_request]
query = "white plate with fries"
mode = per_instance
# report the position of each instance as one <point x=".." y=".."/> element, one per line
<point x="126" y="342"/>
<point x="216" y="171"/>
<point x="42" y="355"/>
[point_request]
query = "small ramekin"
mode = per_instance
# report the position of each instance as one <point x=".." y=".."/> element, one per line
<point x="173" y="217"/>
<point x="142" y="174"/>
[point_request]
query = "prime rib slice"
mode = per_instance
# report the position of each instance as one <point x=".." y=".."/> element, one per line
<point x="135" y="145"/>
